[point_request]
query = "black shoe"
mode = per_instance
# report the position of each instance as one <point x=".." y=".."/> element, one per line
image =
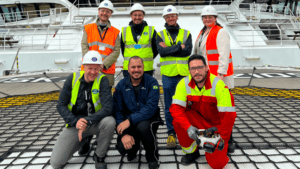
<point x="99" y="162"/>
<point x="231" y="147"/>
<point x="190" y="158"/>
<point x="153" y="165"/>
<point x="132" y="158"/>
<point x="85" y="149"/>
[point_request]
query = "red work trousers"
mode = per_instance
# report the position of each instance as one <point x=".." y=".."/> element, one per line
<point x="218" y="159"/>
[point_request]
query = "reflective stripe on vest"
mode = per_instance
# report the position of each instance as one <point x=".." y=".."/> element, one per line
<point x="179" y="102"/>
<point x="217" y="62"/>
<point x="212" y="90"/>
<point x="226" y="109"/>
<point x="143" y="48"/>
<point x="107" y="45"/>
<point x="101" y="44"/>
<point x="190" y="149"/>
<point x="173" y="66"/>
<point x="75" y="89"/>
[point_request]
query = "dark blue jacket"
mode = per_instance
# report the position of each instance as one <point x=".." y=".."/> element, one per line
<point x="127" y="106"/>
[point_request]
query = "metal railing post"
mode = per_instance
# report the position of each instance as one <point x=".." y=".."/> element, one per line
<point x="32" y="38"/>
<point x="279" y="33"/>
<point x="5" y="39"/>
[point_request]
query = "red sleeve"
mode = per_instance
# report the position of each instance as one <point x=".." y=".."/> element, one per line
<point x="178" y="114"/>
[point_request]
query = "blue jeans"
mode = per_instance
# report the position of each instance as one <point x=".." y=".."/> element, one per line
<point x="169" y="87"/>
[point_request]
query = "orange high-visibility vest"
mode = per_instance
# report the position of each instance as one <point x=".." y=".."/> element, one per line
<point x="106" y="46"/>
<point x="212" y="52"/>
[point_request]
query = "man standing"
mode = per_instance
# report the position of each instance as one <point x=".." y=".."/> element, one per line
<point x="138" y="39"/>
<point x="85" y="104"/>
<point x="104" y="38"/>
<point x="137" y="114"/>
<point x="202" y="101"/>
<point x="174" y="45"/>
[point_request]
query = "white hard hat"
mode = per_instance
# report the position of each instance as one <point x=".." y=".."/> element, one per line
<point x="92" y="57"/>
<point x="169" y="9"/>
<point x="137" y="7"/>
<point x="209" y="10"/>
<point x="107" y="4"/>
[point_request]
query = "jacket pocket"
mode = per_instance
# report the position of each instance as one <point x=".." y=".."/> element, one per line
<point x="209" y="107"/>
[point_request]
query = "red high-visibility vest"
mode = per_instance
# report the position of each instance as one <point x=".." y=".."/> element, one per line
<point x="106" y="46"/>
<point x="212" y="52"/>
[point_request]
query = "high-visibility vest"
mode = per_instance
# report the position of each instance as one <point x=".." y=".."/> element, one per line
<point x="143" y="48"/>
<point x="108" y="43"/>
<point x="172" y="66"/>
<point x="205" y="100"/>
<point x="94" y="91"/>
<point x="212" y="52"/>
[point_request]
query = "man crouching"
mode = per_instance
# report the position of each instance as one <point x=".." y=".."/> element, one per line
<point x="85" y="104"/>
<point x="137" y="113"/>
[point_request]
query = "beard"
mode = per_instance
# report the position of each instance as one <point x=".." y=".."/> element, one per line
<point x="137" y="78"/>
<point x="202" y="80"/>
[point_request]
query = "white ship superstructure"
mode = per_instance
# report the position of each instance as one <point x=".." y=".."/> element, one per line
<point x="50" y="38"/>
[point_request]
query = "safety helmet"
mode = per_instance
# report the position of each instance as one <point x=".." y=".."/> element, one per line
<point x="137" y="7"/>
<point x="107" y="4"/>
<point x="209" y="10"/>
<point x="169" y="9"/>
<point x="92" y="57"/>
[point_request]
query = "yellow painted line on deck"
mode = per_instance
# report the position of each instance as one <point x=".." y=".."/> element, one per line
<point x="46" y="97"/>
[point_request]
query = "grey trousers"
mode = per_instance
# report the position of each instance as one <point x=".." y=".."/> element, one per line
<point x="68" y="142"/>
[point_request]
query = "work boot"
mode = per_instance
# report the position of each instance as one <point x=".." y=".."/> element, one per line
<point x="171" y="142"/>
<point x="99" y="162"/>
<point x="190" y="158"/>
<point x="153" y="165"/>
<point x="231" y="147"/>
<point x="132" y="158"/>
<point x="86" y="147"/>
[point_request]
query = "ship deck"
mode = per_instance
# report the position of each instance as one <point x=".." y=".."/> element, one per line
<point x="266" y="130"/>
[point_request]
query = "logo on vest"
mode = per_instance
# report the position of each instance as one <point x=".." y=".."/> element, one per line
<point x="137" y="46"/>
<point x="94" y="59"/>
<point x="169" y="10"/>
<point x="95" y="91"/>
<point x="145" y="33"/>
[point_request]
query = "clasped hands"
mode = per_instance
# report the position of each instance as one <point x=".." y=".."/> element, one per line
<point x="127" y="140"/>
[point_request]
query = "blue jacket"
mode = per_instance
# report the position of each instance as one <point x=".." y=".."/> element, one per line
<point x="127" y="106"/>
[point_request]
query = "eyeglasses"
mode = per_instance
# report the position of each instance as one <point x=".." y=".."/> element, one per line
<point x="170" y="16"/>
<point x="199" y="68"/>
<point x="105" y="11"/>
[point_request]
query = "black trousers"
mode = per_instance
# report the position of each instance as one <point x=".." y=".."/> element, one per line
<point x="144" y="131"/>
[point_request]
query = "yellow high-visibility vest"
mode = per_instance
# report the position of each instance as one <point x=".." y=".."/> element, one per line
<point x="143" y="48"/>
<point x="173" y="66"/>
<point x="94" y="91"/>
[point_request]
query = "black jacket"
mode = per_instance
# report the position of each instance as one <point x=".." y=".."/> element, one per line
<point x="138" y="30"/>
<point x="80" y="108"/>
<point x="174" y="50"/>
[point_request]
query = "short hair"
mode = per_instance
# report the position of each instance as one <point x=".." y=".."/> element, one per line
<point x="196" y="57"/>
<point x="135" y="58"/>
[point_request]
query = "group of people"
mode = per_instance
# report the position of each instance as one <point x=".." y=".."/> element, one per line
<point x="196" y="90"/>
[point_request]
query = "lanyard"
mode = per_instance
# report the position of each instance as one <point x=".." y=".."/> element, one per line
<point x="170" y="38"/>
<point x="102" y="38"/>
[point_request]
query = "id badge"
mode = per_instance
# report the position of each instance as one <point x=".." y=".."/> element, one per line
<point x="102" y="48"/>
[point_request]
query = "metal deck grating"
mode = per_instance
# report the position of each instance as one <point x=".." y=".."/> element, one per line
<point x="266" y="134"/>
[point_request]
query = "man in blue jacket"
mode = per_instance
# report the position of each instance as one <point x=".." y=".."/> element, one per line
<point x="137" y="114"/>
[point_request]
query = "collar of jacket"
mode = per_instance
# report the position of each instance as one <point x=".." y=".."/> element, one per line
<point x="139" y="27"/>
<point x="192" y="83"/>
<point x="129" y="84"/>
<point x="172" y="28"/>
<point x="107" y="26"/>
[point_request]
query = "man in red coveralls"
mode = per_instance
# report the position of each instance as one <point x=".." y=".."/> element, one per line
<point x="202" y="101"/>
